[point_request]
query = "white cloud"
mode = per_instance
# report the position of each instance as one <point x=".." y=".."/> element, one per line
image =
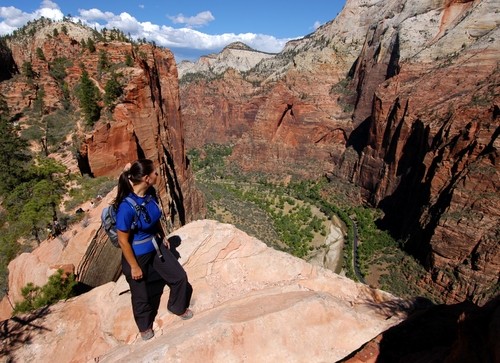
<point x="316" y="25"/>
<point x="12" y="18"/>
<point x="49" y="9"/>
<point x="196" y="21"/>
<point x="6" y="29"/>
<point x="125" y="22"/>
<point x="95" y="14"/>
<point x="54" y="14"/>
<point x="48" y="4"/>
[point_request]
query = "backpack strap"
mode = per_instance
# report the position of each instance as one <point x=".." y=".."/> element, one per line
<point x="138" y="210"/>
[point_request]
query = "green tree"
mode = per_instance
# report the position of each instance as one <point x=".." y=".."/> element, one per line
<point x="9" y="248"/>
<point x="66" y="98"/>
<point x="4" y="107"/>
<point x="129" y="62"/>
<point x="39" y="104"/>
<point x="90" y="45"/>
<point x="89" y="96"/>
<point x="103" y="63"/>
<point x="35" y="201"/>
<point x="113" y="90"/>
<point x="39" y="53"/>
<point x="14" y="157"/>
<point x="27" y="70"/>
<point x="57" y="68"/>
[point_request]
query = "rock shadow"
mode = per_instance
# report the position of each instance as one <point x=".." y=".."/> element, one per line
<point x="19" y="330"/>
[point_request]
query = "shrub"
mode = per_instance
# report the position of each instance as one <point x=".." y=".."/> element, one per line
<point x="39" y="53"/>
<point x="89" y="188"/>
<point x="59" y="125"/>
<point x="57" y="68"/>
<point x="59" y="287"/>
<point x="129" y="62"/>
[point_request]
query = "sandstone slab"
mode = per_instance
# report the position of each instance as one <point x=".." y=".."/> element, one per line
<point x="251" y="303"/>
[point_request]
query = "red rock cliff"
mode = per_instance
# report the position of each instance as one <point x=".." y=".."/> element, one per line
<point x="147" y="123"/>
<point x="400" y="98"/>
<point x="145" y="120"/>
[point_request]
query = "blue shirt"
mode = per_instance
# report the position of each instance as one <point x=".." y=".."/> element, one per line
<point x="145" y="231"/>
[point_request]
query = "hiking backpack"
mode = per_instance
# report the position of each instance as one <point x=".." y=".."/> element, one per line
<point x="108" y="218"/>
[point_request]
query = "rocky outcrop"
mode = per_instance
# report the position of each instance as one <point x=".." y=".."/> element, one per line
<point x="399" y="98"/>
<point x="144" y="122"/>
<point x="246" y="295"/>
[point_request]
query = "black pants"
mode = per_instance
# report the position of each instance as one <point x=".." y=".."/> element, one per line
<point x="146" y="292"/>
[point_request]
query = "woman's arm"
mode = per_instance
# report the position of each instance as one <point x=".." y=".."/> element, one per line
<point x="128" y="253"/>
<point x="161" y="235"/>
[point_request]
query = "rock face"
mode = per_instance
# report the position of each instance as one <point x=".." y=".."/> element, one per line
<point x="429" y="159"/>
<point x="145" y="121"/>
<point x="400" y="98"/>
<point x="251" y="303"/>
<point x="147" y="124"/>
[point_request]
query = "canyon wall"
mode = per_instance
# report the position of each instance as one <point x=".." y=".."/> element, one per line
<point x="399" y="98"/>
<point x="144" y="122"/>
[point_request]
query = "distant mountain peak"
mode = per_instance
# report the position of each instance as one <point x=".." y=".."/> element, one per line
<point x="236" y="55"/>
<point x="239" y="46"/>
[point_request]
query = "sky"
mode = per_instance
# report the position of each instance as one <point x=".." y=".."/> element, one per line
<point x="190" y="28"/>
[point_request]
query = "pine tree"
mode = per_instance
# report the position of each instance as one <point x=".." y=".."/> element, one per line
<point x="14" y="157"/>
<point x="34" y="202"/>
<point x="88" y="94"/>
<point x="113" y="90"/>
<point x="27" y="70"/>
<point x="129" y="62"/>
<point x="90" y="45"/>
<point x="39" y="53"/>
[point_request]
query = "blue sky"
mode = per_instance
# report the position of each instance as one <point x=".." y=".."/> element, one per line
<point x="190" y="28"/>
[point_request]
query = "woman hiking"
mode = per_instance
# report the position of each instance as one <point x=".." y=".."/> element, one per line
<point x="145" y="250"/>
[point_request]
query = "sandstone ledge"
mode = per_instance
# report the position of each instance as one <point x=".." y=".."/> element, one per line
<point x="251" y="304"/>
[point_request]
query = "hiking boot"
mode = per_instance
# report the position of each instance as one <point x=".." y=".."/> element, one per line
<point x="188" y="314"/>
<point x="148" y="334"/>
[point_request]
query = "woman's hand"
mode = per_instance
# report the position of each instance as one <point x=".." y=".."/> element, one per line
<point x="136" y="273"/>
<point x="166" y="243"/>
<point x="128" y="253"/>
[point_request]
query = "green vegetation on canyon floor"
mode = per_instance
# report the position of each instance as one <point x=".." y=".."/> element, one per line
<point x="293" y="217"/>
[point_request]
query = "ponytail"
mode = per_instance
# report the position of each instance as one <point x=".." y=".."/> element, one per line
<point x="132" y="174"/>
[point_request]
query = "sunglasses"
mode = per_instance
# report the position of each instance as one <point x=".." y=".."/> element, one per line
<point x="147" y="217"/>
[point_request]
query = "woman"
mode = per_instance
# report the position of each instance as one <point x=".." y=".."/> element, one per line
<point x="136" y="230"/>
